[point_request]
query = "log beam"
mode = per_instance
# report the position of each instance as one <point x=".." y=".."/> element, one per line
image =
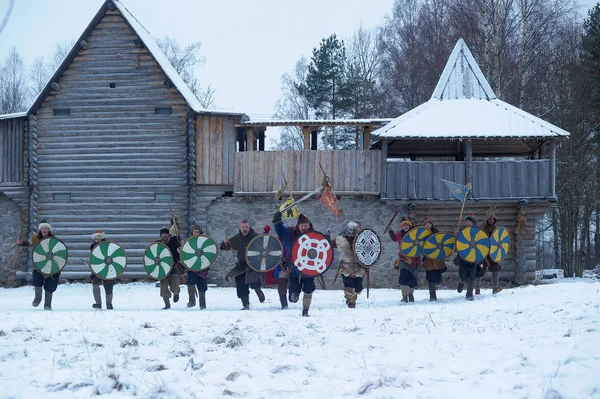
<point x="306" y="132"/>
<point x="250" y="140"/>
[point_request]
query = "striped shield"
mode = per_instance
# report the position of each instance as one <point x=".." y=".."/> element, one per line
<point x="199" y="252"/>
<point x="108" y="260"/>
<point x="50" y="256"/>
<point x="158" y="260"/>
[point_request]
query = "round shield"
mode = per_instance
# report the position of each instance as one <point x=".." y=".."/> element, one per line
<point x="312" y="253"/>
<point x="439" y="246"/>
<point x="199" y="252"/>
<point x="367" y="247"/>
<point x="499" y="244"/>
<point x="158" y="260"/>
<point x="108" y="260"/>
<point x="412" y="242"/>
<point x="264" y="253"/>
<point x="50" y="256"/>
<point x="472" y="244"/>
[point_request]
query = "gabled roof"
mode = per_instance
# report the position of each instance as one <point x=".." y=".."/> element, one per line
<point x="150" y="45"/>
<point x="463" y="105"/>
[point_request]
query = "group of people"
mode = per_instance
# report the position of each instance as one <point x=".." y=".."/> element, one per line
<point x="290" y="281"/>
<point x="468" y="272"/>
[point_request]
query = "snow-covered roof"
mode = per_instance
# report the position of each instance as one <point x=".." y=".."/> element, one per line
<point x="152" y="47"/>
<point x="463" y="105"/>
<point x="315" y="122"/>
<point x="13" y="116"/>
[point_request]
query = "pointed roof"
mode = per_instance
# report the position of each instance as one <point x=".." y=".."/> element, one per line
<point x="148" y="42"/>
<point x="463" y="105"/>
<point x="462" y="77"/>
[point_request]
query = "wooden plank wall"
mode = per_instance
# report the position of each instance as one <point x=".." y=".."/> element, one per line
<point x="355" y="171"/>
<point x="511" y="179"/>
<point x="215" y="149"/>
<point x="11" y="150"/>
<point x="112" y="155"/>
<point x="490" y="180"/>
<point x="422" y="179"/>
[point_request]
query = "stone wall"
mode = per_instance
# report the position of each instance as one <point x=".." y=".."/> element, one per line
<point x="224" y="215"/>
<point x="11" y="256"/>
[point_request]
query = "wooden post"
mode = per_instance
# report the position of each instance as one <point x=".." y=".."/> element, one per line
<point x="468" y="161"/>
<point x="250" y="140"/>
<point x="306" y="131"/>
<point x="552" y="157"/>
<point x="313" y="139"/>
<point x="383" y="183"/>
<point x="366" y="138"/>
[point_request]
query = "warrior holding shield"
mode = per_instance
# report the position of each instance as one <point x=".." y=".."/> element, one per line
<point x="298" y="281"/>
<point x="99" y="237"/>
<point x="433" y="267"/>
<point x="244" y="277"/>
<point x="351" y="270"/>
<point x="408" y="266"/>
<point x="198" y="253"/>
<point x="170" y="283"/>
<point x="48" y="281"/>
<point x="468" y="267"/>
<point x="489" y="225"/>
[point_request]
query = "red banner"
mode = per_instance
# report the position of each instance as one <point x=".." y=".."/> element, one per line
<point x="330" y="201"/>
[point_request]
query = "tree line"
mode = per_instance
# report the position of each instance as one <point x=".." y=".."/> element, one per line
<point x="542" y="56"/>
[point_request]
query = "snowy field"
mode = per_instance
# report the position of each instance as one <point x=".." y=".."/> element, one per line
<point x="534" y="342"/>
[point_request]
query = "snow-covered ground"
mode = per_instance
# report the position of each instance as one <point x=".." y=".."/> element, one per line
<point x="533" y="342"/>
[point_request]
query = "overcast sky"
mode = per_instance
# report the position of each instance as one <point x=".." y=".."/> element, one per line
<point x="248" y="44"/>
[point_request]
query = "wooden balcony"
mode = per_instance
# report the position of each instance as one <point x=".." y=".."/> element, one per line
<point x="350" y="171"/>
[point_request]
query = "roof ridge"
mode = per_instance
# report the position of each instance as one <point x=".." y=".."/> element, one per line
<point x="460" y="80"/>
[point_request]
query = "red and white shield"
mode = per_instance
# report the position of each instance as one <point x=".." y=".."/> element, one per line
<point x="312" y="253"/>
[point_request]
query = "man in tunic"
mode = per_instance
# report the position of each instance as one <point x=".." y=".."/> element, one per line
<point x="170" y="284"/>
<point x="409" y="267"/>
<point x="351" y="270"/>
<point x="466" y="270"/>
<point x="197" y="280"/>
<point x="244" y="277"/>
<point x="489" y="225"/>
<point x="99" y="237"/>
<point x="298" y="281"/>
<point x="48" y="283"/>
<point x="433" y="267"/>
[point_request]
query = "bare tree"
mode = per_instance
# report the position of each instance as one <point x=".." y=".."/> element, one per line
<point x="185" y="60"/>
<point x="39" y="74"/>
<point x="13" y="83"/>
<point x="292" y="105"/>
<point x="60" y="52"/>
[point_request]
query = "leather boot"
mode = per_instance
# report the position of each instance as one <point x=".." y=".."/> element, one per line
<point x="432" y="293"/>
<point x="167" y="303"/>
<point x="109" y="305"/>
<point x="97" y="296"/>
<point x="282" y="291"/>
<point x="461" y="285"/>
<point x="411" y="297"/>
<point x="202" y="299"/>
<point x="38" y="297"/>
<point x="496" y="289"/>
<point x="245" y="303"/>
<point x="404" y="289"/>
<point x="477" y="286"/>
<point x="260" y="294"/>
<point x="192" y="296"/>
<point x="350" y="296"/>
<point x="469" y="295"/>
<point x="306" y="300"/>
<point x="48" y="301"/>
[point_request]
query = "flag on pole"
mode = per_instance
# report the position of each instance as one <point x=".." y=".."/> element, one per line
<point x="457" y="190"/>
<point x="328" y="199"/>
<point x="291" y="213"/>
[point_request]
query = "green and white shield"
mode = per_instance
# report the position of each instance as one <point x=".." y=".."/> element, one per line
<point x="158" y="260"/>
<point x="108" y="260"/>
<point x="199" y="252"/>
<point x="50" y="256"/>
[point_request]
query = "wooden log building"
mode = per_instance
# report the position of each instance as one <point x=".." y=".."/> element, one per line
<point x="116" y="138"/>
